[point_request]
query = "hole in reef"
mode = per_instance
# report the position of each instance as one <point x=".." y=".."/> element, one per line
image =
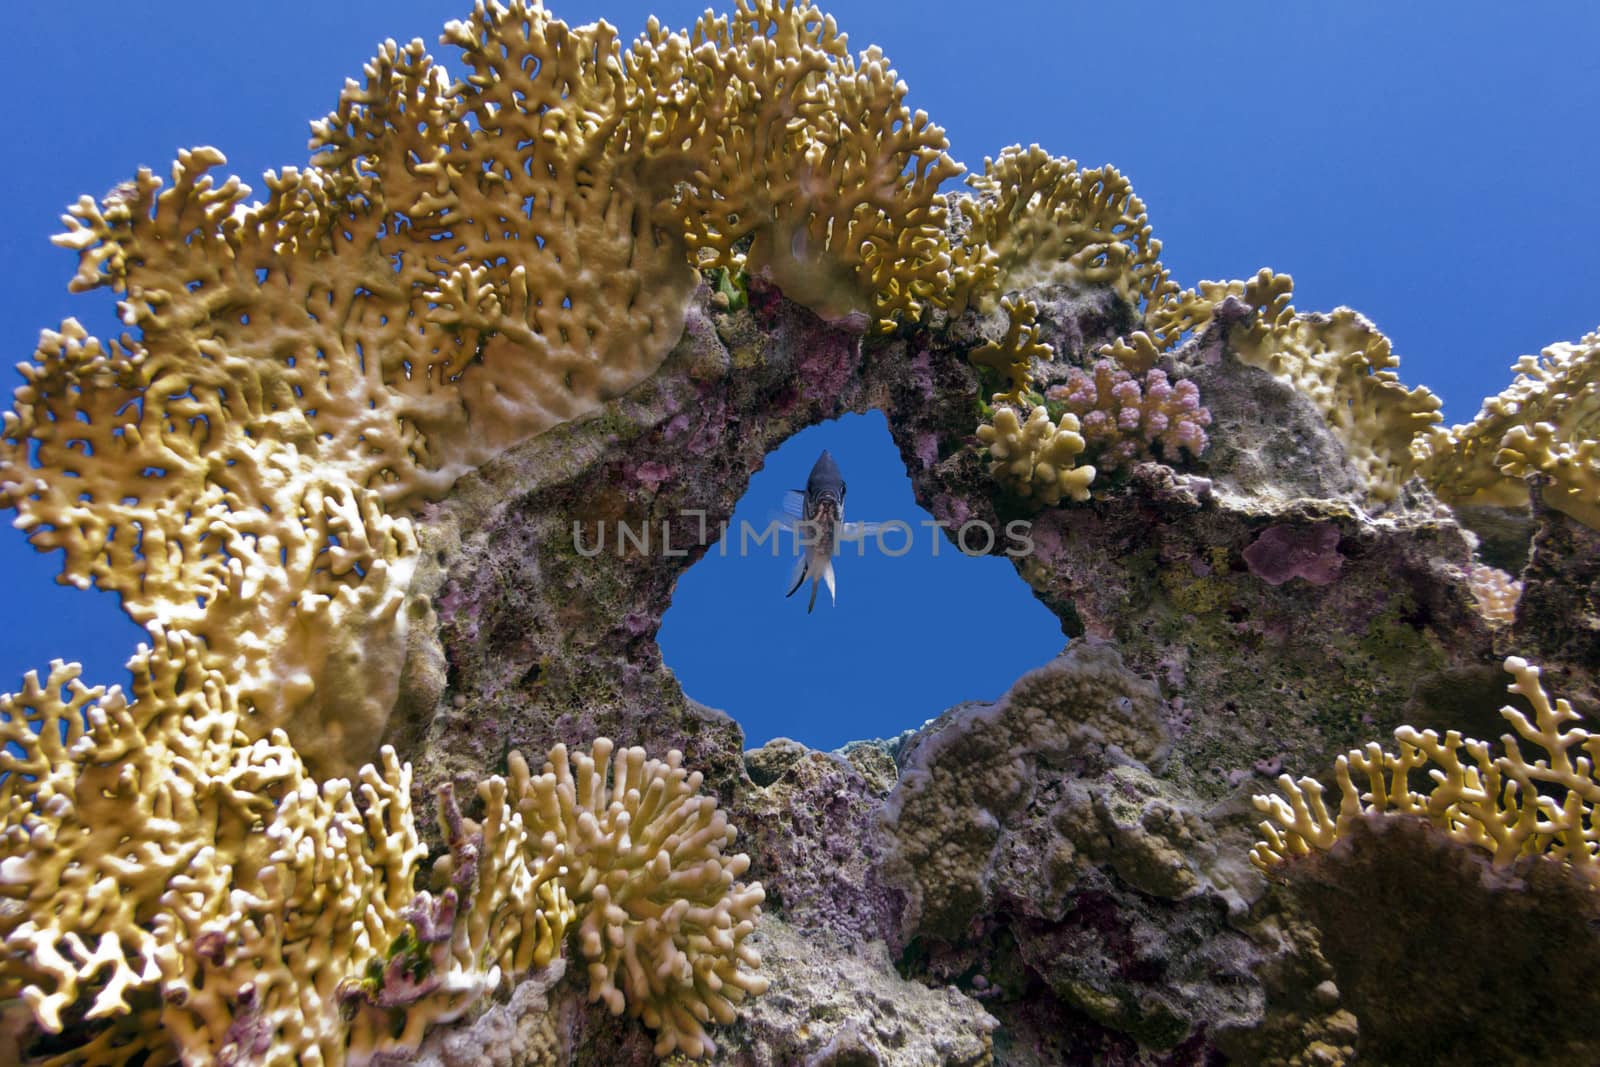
<point x="910" y="636"/>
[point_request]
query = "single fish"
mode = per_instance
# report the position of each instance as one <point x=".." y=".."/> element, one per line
<point x="816" y="514"/>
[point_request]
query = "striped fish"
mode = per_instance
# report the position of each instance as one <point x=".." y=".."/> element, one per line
<point x="816" y="514"/>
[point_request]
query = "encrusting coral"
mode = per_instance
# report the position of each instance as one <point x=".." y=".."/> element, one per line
<point x="1500" y="803"/>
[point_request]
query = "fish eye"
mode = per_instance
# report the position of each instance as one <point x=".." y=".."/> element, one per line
<point x="841" y="492"/>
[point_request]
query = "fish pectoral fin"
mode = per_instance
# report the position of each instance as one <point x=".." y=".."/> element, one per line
<point x="857" y="531"/>
<point x="827" y="576"/>
<point x="796" y="576"/>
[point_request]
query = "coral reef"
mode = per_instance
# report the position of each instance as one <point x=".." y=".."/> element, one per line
<point x="1121" y="418"/>
<point x="1546" y="422"/>
<point x="344" y="465"/>
<point x="1035" y="457"/>
<point x="1504" y="804"/>
<point x="641" y="857"/>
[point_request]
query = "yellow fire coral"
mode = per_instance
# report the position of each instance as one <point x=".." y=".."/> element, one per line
<point x="663" y="920"/>
<point x="174" y="889"/>
<point x="1546" y="422"/>
<point x="464" y="265"/>
<point x="1267" y="294"/>
<point x="1340" y="361"/>
<point x="160" y="866"/>
<point x="1503" y="804"/>
<point x="1035" y="458"/>
<point x="1040" y="219"/>
<point x="782" y="138"/>
<point x="1012" y="356"/>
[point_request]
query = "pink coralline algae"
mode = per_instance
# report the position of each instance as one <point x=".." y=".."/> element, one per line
<point x="1285" y="552"/>
<point x="1122" y="418"/>
<point x="651" y="474"/>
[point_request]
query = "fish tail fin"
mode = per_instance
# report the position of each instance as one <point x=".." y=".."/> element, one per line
<point x="813" y="596"/>
<point x="827" y="576"/>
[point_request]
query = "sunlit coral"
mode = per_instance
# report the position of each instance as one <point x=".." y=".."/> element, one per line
<point x="1547" y="422"/>
<point x="780" y="137"/>
<point x="1340" y="361"/>
<point x="1501" y="802"/>
<point x="162" y="866"/>
<point x="1039" y="219"/>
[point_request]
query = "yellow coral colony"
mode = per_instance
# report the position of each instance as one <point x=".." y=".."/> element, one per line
<point x="465" y="264"/>
<point x="1012" y="356"/>
<point x="1547" y="422"/>
<point x="663" y="919"/>
<point x="1035" y="458"/>
<point x="1501" y="803"/>
<point x="785" y="139"/>
<point x="1340" y="361"/>
<point x="158" y="865"/>
<point x="1038" y="219"/>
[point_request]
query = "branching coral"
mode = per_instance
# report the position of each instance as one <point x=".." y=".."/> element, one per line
<point x="663" y="920"/>
<point x="464" y="265"/>
<point x="162" y="866"/>
<point x="1340" y="361"/>
<point x="1012" y="356"/>
<point x="1040" y="219"/>
<point x="1121" y="418"/>
<point x="1191" y="311"/>
<point x="1547" y="422"/>
<point x="178" y="889"/>
<point x="782" y="138"/>
<point x="1035" y="458"/>
<point x="1501" y="803"/>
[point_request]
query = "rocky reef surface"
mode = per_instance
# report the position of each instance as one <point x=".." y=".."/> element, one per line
<point x="1059" y="876"/>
